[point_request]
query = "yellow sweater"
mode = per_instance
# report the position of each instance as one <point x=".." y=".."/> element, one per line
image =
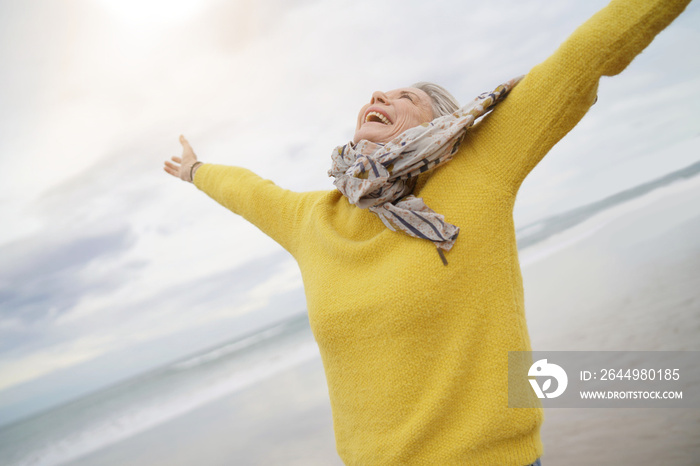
<point x="415" y="352"/>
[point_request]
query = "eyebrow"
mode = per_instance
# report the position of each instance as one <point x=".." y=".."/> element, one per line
<point x="416" y="96"/>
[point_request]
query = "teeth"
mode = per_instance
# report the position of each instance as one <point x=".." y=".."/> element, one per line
<point x="381" y="117"/>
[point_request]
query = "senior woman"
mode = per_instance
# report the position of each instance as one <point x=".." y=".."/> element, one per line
<point x="415" y="348"/>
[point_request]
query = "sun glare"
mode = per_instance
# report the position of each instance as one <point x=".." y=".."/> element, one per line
<point x="153" y="12"/>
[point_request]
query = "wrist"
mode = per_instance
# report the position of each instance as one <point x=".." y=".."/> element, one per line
<point x="193" y="169"/>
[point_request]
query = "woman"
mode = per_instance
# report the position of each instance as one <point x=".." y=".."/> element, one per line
<point x="416" y="352"/>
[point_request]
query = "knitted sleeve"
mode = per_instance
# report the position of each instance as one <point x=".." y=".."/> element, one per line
<point x="277" y="212"/>
<point x="557" y="93"/>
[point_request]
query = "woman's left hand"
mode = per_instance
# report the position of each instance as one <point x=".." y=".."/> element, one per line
<point x="182" y="168"/>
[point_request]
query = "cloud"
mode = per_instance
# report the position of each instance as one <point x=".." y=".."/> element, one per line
<point x="42" y="277"/>
<point x="90" y="329"/>
<point x="50" y="359"/>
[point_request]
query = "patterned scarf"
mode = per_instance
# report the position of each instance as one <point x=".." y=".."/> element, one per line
<point x="381" y="177"/>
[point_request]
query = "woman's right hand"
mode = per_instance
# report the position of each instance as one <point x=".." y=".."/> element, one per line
<point x="183" y="165"/>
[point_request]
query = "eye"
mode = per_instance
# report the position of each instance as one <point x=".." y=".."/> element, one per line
<point x="406" y="96"/>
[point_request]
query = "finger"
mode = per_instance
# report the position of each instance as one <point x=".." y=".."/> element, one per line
<point x="170" y="172"/>
<point x="184" y="142"/>
<point x="176" y="159"/>
<point x="172" y="166"/>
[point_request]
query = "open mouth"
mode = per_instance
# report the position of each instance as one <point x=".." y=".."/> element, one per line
<point x="377" y="117"/>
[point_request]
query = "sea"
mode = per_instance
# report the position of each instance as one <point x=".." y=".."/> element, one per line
<point x="63" y="434"/>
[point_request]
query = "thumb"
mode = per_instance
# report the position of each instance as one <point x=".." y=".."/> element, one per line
<point x="184" y="142"/>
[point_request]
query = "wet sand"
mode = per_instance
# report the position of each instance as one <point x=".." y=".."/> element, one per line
<point x="283" y="420"/>
<point x="634" y="284"/>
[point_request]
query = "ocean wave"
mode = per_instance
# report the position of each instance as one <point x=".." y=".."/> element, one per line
<point x="128" y="422"/>
<point x="230" y="348"/>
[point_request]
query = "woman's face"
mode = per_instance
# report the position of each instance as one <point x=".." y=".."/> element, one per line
<point x="388" y="115"/>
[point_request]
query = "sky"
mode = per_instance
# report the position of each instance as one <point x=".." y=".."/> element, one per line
<point x="110" y="267"/>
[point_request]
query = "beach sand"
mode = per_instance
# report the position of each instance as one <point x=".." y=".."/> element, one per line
<point x="624" y="280"/>
<point x="283" y="420"/>
<point x="631" y="285"/>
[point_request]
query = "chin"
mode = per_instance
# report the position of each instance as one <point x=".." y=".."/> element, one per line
<point x="376" y="138"/>
<point x="374" y="133"/>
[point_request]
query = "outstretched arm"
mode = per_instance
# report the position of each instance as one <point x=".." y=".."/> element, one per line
<point x="278" y="212"/>
<point x="557" y="93"/>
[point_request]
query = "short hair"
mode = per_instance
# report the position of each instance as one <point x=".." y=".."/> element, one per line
<point x="443" y="102"/>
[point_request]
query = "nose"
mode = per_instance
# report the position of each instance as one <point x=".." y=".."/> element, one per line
<point x="379" y="96"/>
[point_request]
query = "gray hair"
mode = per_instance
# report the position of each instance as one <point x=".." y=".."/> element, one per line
<point x="443" y="102"/>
